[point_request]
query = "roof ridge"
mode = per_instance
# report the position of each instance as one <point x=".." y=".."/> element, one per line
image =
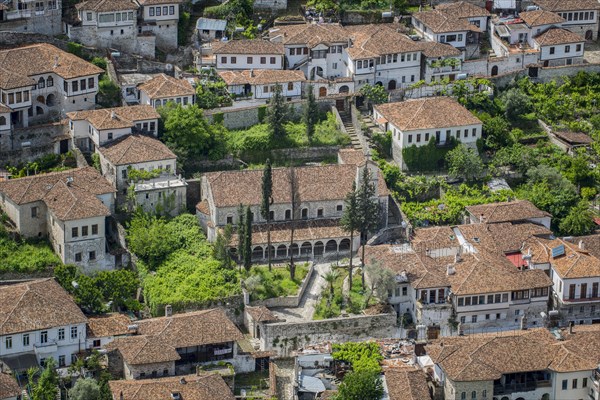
<point x="16" y="304"/>
<point x="126" y="149"/>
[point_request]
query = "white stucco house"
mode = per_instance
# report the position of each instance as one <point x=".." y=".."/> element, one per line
<point x="260" y="84"/>
<point x="559" y="46"/>
<point x="161" y="19"/>
<point x="417" y="122"/>
<point x="162" y="88"/>
<point x="248" y="54"/>
<point x="581" y="16"/>
<point x="40" y="320"/>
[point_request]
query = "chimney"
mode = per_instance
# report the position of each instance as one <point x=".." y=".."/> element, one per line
<point x="69" y="180"/>
<point x="481" y="218"/>
<point x="457" y="258"/>
<point x="182" y="381"/>
<point x="168" y="310"/>
<point x="132" y="329"/>
<point x="113" y="115"/>
<point x="56" y="62"/>
<point x="251" y="73"/>
<point x="460" y="329"/>
<point x="581" y="245"/>
<point x="571" y="324"/>
<point x="121" y="396"/>
<point x="523" y="323"/>
<point x="450" y="270"/>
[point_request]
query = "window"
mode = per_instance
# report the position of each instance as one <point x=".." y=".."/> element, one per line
<point x="61" y="361"/>
<point x="574" y="383"/>
<point x="473" y="394"/>
<point x="483" y="394"/>
<point x="551" y="50"/>
<point x="229" y="219"/>
<point x="249" y="60"/>
<point x="75" y="232"/>
<point x="158" y="11"/>
<point x="8" y="342"/>
<point x="288" y="214"/>
<point x="75" y="86"/>
<point x="165" y="10"/>
<point x="171" y="10"/>
<point x="224" y="60"/>
<point x="504" y="297"/>
<point x="498" y="316"/>
<point x="233" y="60"/>
<point x="272" y="60"/>
<point x="584" y="382"/>
<point x="25" y="339"/>
<point x="567" y="49"/>
<point x="462" y="320"/>
<point x="427" y="137"/>
<point x="487" y="316"/>
<point x="404" y="290"/>
<point x="460" y="37"/>
<point x="96" y="343"/>
<point x="305" y="213"/>
<point x="34" y="212"/>
<point x="82" y="84"/>
<point x="91" y="83"/>
<point x="41" y="83"/>
<point x="583" y="291"/>
<point x="73" y="332"/>
<point x="467" y="301"/>
<point x="263" y="60"/>
<point x="77" y="257"/>
<point x="578" y="47"/>
<point x="50" y="81"/>
<point x="409" y="138"/>
<point x="319" y="212"/>
<point x="151" y="11"/>
<point x="461" y="302"/>
<point x="463" y="396"/>
<point x="339" y="208"/>
<point x="92" y="255"/>
<point x="84" y="230"/>
<point x="571" y="291"/>
<point x="473" y="318"/>
<point x="418" y="137"/>
<point x="565" y="384"/>
<point x="44" y="337"/>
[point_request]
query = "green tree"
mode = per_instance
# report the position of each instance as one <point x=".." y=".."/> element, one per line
<point x="496" y="132"/>
<point x="295" y="203"/>
<point x="109" y="94"/>
<point x="85" y="389"/>
<point x="369" y="212"/>
<point x="374" y="94"/>
<point x="222" y="247"/>
<point x="277" y="114"/>
<point x="267" y="200"/>
<point x="330" y="278"/>
<point x="87" y="295"/>
<point x="186" y="131"/>
<point x="516" y="103"/>
<point x="150" y="238"/>
<point x="46" y="387"/>
<point x="360" y="386"/>
<point x="65" y="275"/>
<point x="579" y="221"/>
<point x="464" y="162"/>
<point x="241" y="233"/>
<point x="248" y="240"/>
<point x="350" y="222"/>
<point x="311" y="113"/>
<point x="118" y="287"/>
<point x="381" y="281"/>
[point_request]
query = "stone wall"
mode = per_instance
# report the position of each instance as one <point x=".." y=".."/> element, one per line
<point x="50" y="23"/>
<point x="27" y="144"/>
<point x="284" y="337"/>
<point x="288" y="301"/>
<point x="305" y="153"/>
<point x="545" y="74"/>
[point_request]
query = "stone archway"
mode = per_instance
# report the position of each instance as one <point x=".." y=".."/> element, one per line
<point x="318" y="249"/>
<point x="392" y="85"/>
<point x="494" y="70"/>
<point x="41" y="99"/>
<point x="51" y="100"/>
<point x="344" y="89"/>
<point x="345" y="245"/>
<point x="281" y="251"/>
<point x="322" y="91"/>
<point x="589" y="35"/>
<point x="306" y="249"/>
<point x="331" y="246"/>
<point x="39" y="110"/>
<point x="294" y="249"/>
<point x="258" y="253"/>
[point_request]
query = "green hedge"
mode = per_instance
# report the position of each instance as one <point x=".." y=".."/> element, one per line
<point x="429" y="157"/>
<point x="262" y="113"/>
<point x="218" y="118"/>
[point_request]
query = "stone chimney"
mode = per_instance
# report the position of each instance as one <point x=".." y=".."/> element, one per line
<point x="460" y="329"/>
<point x="168" y="310"/>
<point x="581" y="245"/>
<point x="523" y="323"/>
<point x="481" y="219"/>
<point x="56" y="62"/>
<point x="252" y="73"/>
<point x="450" y="270"/>
<point x="571" y="324"/>
<point x="113" y="115"/>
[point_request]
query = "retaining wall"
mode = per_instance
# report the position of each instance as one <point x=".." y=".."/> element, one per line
<point x="288" y="301"/>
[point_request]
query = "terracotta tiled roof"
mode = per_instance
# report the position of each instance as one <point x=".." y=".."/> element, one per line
<point x="19" y="64"/>
<point x="203" y="207"/>
<point x="488" y="356"/>
<point x="310" y="35"/>
<point x="463" y="9"/>
<point x="518" y="210"/>
<point x="557" y="36"/>
<point x="304" y="230"/>
<point x="575" y="263"/>
<point x="74" y="200"/>
<point x="191" y="329"/>
<point x="261" y="76"/>
<point x="190" y="387"/>
<point x="435" y="49"/>
<point x="133" y="149"/>
<point x="375" y="40"/>
<point x="568" y="5"/>
<point x="115" y="118"/>
<point x="257" y="46"/>
<point x="591" y="243"/>
<point x="437" y="237"/>
<point x="441" y="22"/>
<point x="8" y="386"/>
<point x="108" y="325"/>
<point x="315" y="183"/>
<point x="540" y="17"/>
<point x="501" y="238"/>
<point x="143" y="349"/>
<point x="427" y="113"/>
<point x="574" y="137"/>
<point x="107" y="5"/>
<point x="261" y="314"/>
<point x="163" y="85"/>
<point x="36" y="305"/>
<point x="406" y="384"/>
<point x="351" y="156"/>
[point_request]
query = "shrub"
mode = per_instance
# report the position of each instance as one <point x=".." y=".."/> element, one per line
<point x="427" y="158"/>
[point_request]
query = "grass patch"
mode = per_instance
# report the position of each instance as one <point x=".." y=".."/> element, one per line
<point x="25" y="256"/>
<point x="356" y="302"/>
<point x="275" y="283"/>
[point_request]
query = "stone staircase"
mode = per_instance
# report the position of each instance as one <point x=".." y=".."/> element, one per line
<point x="347" y="120"/>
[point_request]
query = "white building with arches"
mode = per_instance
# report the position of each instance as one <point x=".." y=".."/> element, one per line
<point x="321" y="192"/>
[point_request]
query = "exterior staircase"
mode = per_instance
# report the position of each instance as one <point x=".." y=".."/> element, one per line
<point x="347" y="121"/>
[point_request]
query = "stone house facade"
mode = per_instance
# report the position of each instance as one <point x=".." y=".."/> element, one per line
<point x="43" y="17"/>
<point x="160" y="18"/>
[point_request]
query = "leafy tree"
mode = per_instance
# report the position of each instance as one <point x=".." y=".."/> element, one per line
<point x="109" y="94"/>
<point x="119" y="287"/>
<point x="65" y="274"/>
<point x="46" y="387"/>
<point x="267" y="200"/>
<point x="149" y="238"/>
<point x="350" y="222"/>
<point x="364" y="356"/>
<point x="241" y="233"/>
<point x="295" y="203"/>
<point x="248" y="240"/>
<point x="360" y="386"/>
<point x="277" y="114"/>
<point x="516" y="103"/>
<point x="579" y="221"/>
<point x="374" y="94"/>
<point x="496" y="132"/>
<point x="381" y="281"/>
<point x="186" y="131"/>
<point x="222" y="247"/>
<point x="85" y="389"/>
<point x="369" y="212"/>
<point x="311" y="113"/>
<point x="330" y="277"/>
<point x="464" y="162"/>
<point x="87" y="294"/>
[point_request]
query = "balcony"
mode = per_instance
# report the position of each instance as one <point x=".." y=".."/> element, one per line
<point x="520" y="387"/>
<point x="50" y="346"/>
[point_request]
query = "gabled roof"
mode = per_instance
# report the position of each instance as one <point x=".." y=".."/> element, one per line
<point x="406" y="384"/>
<point x="18" y="65"/>
<point x="8" y="386"/>
<point x="441" y="22"/>
<point x="463" y="9"/>
<point x="375" y="40"/>
<point x="163" y="85"/>
<point x="143" y="349"/>
<point x="69" y="194"/>
<point x="540" y="17"/>
<point x="568" y="5"/>
<point x="107" y="5"/>
<point x="133" y="149"/>
<point x="435" y="49"/>
<point x="310" y="35"/>
<point x="261" y="314"/>
<point x="427" y="113"/>
<point x="575" y="263"/>
<point x="517" y="210"/>
<point x="36" y="305"/>
<point x="115" y="118"/>
<point x="191" y="329"/>
<point x="261" y="76"/>
<point x="189" y="387"/>
<point x="252" y="47"/>
<point x="554" y="36"/>
<point x="108" y="325"/>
